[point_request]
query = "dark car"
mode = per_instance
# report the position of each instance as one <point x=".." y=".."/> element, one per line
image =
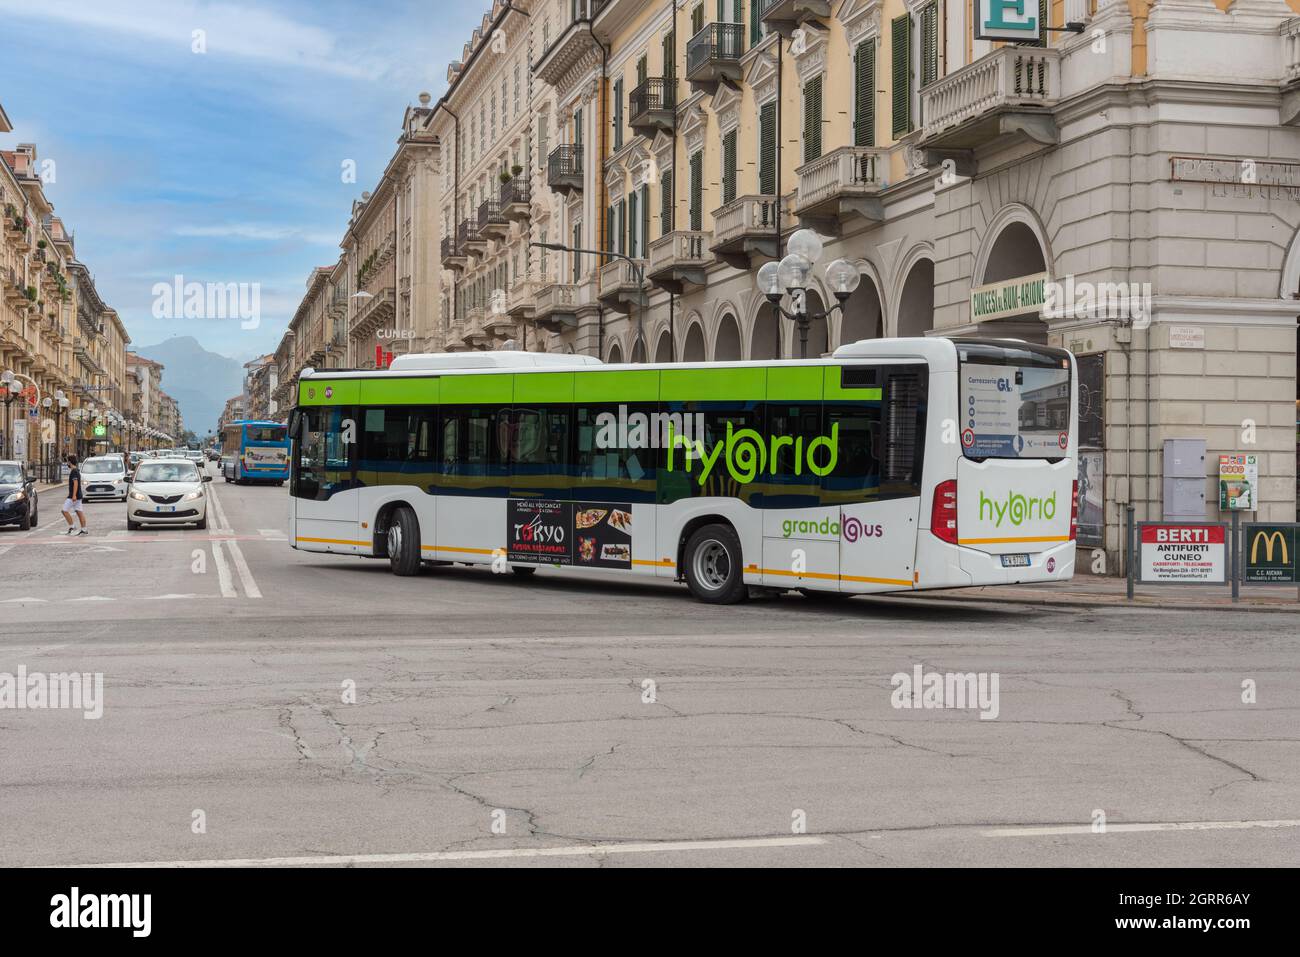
<point x="18" y="503"/>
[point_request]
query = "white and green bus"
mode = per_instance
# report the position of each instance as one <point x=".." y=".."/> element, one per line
<point x="892" y="465"/>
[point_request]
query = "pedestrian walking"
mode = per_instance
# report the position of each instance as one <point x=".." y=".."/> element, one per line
<point x="72" y="505"/>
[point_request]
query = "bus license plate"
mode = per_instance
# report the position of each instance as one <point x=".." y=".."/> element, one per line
<point x="165" y="508"/>
<point x="1015" y="561"/>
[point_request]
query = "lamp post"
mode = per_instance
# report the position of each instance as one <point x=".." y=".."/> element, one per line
<point x="790" y="278"/>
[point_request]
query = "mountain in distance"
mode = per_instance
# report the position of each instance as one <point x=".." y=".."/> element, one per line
<point x="200" y="381"/>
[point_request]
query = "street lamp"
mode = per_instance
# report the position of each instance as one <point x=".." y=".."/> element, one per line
<point x="790" y="277"/>
<point x="638" y="271"/>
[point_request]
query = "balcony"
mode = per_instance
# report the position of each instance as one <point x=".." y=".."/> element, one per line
<point x="474" y="331"/>
<point x="564" y="169"/>
<point x="498" y="322"/>
<point x="15" y="291"/>
<point x="1005" y="95"/>
<point x="619" y="288"/>
<point x="515" y="201"/>
<point x="713" y="55"/>
<point x="372" y="313"/>
<point x="652" y="106"/>
<point x="453" y="249"/>
<point x="1289" y="31"/>
<point x="679" y="259"/>
<point x="492" y="222"/>
<point x="573" y="44"/>
<point x="469" y="240"/>
<point x="841" y="184"/>
<point x="784" y="16"/>
<point x="521" y="300"/>
<point x="745" y="229"/>
<point x="557" y="307"/>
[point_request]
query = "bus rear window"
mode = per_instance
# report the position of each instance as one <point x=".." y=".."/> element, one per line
<point x="1015" y="401"/>
<point x="264" y="433"/>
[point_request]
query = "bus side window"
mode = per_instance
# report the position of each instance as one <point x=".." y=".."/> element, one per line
<point x="324" y="460"/>
<point x="473" y="459"/>
<point x="787" y="482"/>
<point x="856" y="475"/>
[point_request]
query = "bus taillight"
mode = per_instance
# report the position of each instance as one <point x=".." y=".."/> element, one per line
<point x="943" y="512"/>
<point x="1074" y="511"/>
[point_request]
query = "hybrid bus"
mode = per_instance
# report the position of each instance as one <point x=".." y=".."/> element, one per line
<point x="891" y="465"/>
<point x="260" y="451"/>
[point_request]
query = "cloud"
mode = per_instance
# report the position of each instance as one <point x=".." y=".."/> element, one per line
<point x="257" y="232"/>
<point x="228" y="30"/>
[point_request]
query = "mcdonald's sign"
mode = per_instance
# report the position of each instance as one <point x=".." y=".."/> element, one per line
<point x="1269" y="552"/>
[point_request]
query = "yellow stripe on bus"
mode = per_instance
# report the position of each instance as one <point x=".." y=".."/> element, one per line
<point x="1012" y="541"/>
<point x="829" y="577"/>
<point x="332" y="541"/>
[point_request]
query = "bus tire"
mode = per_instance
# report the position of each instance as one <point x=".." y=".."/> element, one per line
<point x="714" y="570"/>
<point x="523" y="571"/>
<point x="404" y="542"/>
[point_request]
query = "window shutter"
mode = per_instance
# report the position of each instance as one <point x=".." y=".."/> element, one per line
<point x="645" y="221"/>
<point x="930" y="43"/>
<point x="729" y="167"/>
<point x="864" y="94"/>
<point x="812" y="119"/>
<point x="767" y="149"/>
<point x="901" y="40"/>
<point x="633" y="220"/>
<point x="697" y="191"/>
<point x="609" y="228"/>
<point x="666" y="203"/>
<point x="618" y="113"/>
<point x="722" y="11"/>
<point x="670" y="54"/>
<point x="697" y="19"/>
<point x="738" y="11"/>
<point x="642" y="69"/>
<point x="755" y="22"/>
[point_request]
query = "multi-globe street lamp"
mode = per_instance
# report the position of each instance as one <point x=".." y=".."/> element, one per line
<point x="790" y="278"/>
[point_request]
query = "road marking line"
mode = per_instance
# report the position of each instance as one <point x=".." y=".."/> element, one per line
<point x="221" y="512"/>
<point x="10" y="601"/>
<point x="223" y="572"/>
<point x="245" y="573"/>
<point x="1124" y="828"/>
<point x="585" y="850"/>
<point x="92" y="598"/>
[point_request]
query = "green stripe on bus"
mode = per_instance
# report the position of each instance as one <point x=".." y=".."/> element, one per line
<point x="341" y="391"/>
<point x="485" y="389"/>
<point x="422" y="391"/>
<point x="794" y="383"/>
<point x="713" y="385"/>
<point x="632" y="385"/>
<point x="544" y="387"/>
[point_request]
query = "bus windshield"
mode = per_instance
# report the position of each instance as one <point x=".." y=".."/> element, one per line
<point x="1015" y="401"/>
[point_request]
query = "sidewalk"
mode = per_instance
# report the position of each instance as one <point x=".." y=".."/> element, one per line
<point x="1093" y="590"/>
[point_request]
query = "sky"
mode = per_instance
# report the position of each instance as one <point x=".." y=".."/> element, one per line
<point x="217" y="156"/>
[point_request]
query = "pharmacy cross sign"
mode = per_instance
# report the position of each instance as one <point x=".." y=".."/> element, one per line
<point x="1007" y="20"/>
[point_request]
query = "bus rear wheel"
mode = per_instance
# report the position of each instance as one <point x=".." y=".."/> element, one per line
<point x="404" y="542"/>
<point x="714" y="571"/>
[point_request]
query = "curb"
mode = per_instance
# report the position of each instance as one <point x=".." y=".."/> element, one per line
<point x="1079" y="601"/>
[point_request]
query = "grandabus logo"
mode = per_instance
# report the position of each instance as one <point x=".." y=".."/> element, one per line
<point x="1017" y="509"/>
<point x="747" y="452"/>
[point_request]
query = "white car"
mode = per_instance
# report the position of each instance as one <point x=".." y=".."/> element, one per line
<point x="104" y="477"/>
<point x="167" y="492"/>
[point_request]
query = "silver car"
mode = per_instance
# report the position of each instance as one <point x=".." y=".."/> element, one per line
<point x="167" y="492"/>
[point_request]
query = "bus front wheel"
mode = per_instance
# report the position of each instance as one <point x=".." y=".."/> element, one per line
<point x="714" y="571"/>
<point x="404" y="542"/>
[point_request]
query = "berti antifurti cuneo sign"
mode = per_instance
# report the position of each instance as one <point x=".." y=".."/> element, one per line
<point x="1007" y="20"/>
<point x="1023" y="296"/>
<point x="1269" y="553"/>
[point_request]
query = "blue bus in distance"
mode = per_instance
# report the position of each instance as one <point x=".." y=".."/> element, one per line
<point x="255" y="451"/>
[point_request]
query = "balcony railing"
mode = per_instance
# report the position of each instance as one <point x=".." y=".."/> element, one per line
<point x="677" y="258"/>
<point x="521" y="300"/>
<point x="557" y="305"/>
<point x="714" y="53"/>
<point x="827" y="185"/>
<point x="651" y="105"/>
<point x="515" y="201"/>
<point x="748" y="215"/>
<point x="492" y="222"/>
<point x="1009" y="80"/>
<point x="564" y="168"/>
<point x="620" y="284"/>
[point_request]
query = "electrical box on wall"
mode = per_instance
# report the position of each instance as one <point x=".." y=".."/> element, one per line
<point x="1184" y="480"/>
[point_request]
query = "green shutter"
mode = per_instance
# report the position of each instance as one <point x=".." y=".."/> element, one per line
<point x="642" y="71"/>
<point x="645" y="221"/>
<point x="609" y="229"/>
<point x="864" y="94"/>
<point x="729" y="167"/>
<point x="930" y="43"/>
<point x="901" y="39"/>
<point x="618" y="113"/>
<point x="767" y="149"/>
<point x="722" y="11"/>
<point x="812" y="119"/>
<point x="666" y="203"/>
<point x="755" y="23"/>
<point x="697" y="19"/>
<point x="633" y="218"/>
<point x="622" y="227"/>
<point x="697" y="191"/>
<point x="670" y="54"/>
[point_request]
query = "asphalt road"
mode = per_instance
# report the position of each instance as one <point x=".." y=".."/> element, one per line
<point x="500" y="721"/>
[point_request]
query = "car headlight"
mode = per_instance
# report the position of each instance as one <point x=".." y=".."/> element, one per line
<point x="14" y="497"/>
<point x="139" y="496"/>
<point x="192" y="496"/>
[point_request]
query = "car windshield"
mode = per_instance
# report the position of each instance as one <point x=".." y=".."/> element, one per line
<point x="10" y="475"/>
<point x="167" y="472"/>
<point x="100" y="466"/>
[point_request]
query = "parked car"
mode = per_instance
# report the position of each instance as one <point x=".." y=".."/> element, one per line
<point x="18" y="501"/>
<point x="167" y="492"/>
<point x="104" y="477"/>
